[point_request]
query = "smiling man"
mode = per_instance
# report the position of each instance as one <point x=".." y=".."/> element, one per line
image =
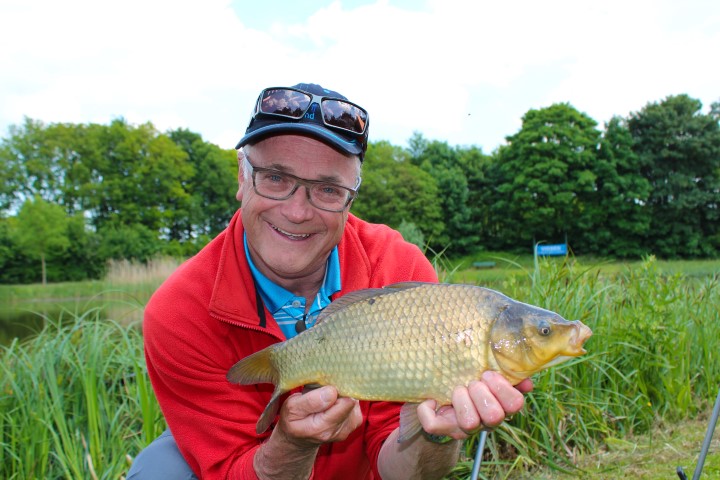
<point x="291" y="249"/>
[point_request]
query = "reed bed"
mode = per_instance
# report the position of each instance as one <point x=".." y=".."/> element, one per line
<point x="130" y="272"/>
<point x="75" y="400"/>
<point x="653" y="355"/>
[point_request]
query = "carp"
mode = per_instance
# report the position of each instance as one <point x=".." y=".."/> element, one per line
<point x="409" y="342"/>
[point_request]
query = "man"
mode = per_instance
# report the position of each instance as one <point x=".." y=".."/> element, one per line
<point x="291" y="249"/>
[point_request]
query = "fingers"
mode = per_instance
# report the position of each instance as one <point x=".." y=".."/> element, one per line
<point x="509" y="398"/>
<point x="526" y="386"/>
<point x="483" y="404"/>
<point x="319" y="416"/>
<point x="437" y="421"/>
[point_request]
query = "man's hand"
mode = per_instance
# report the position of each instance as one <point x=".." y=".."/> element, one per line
<point x="307" y="420"/>
<point x="319" y="416"/>
<point x="482" y="404"/>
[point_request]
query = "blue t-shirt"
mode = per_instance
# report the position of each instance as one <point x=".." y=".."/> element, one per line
<point x="288" y="309"/>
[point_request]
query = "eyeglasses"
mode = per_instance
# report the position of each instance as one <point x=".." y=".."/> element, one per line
<point x="277" y="185"/>
<point x="296" y="104"/>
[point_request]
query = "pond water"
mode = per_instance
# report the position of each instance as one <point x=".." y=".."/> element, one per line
<point x="19" y="325"/>
<point x="23" y="323"/>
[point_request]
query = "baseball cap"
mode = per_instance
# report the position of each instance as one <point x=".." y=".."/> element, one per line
<point x="309" y="109"/>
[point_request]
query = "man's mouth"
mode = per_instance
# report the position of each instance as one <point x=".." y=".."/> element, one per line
<point x="291" y="236"/>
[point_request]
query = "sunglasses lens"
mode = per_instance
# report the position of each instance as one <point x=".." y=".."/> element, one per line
<point x="284" y="101"/>
<point x="344" y="115"/>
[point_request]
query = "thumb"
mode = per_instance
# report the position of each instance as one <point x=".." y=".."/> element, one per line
<point x="319" y="400"/>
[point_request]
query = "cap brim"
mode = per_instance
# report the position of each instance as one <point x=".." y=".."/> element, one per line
<point x="323" y="134"/>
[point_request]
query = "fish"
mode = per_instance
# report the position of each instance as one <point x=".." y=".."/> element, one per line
<point x="413" y="341"/>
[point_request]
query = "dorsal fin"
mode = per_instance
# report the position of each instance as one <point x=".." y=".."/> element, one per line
<point x="408" y="285"/>
<point x="363" y="295"/>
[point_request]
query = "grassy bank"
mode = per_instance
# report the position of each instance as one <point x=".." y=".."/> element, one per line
<point x="653" y="357"/>
<point x="75" y="401"/>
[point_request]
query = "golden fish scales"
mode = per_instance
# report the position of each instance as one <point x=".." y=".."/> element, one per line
<point x="416" y="345"/>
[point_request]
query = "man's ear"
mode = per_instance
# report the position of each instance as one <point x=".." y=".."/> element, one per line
<point x="241" y="176"/>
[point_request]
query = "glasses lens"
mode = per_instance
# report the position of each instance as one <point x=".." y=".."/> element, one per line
<point x="285" y="102"/>
<point x="344" y="115"/>
<point x="280" y="186"/>
<point x="329" y="196"/>
<point x="273" y="184"/>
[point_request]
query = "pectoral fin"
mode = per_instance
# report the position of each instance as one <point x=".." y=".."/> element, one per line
<point x="409" y="422"/>
<point x="270" y="412"/>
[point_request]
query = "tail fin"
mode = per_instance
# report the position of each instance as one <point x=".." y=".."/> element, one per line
<point x="259" y="368"/>
<point x="255" y="368"/>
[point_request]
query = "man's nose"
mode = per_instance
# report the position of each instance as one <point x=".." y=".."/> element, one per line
<point x="298" y="207"/>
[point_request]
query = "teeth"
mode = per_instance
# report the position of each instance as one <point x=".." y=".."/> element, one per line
<point x="291" y="235"/>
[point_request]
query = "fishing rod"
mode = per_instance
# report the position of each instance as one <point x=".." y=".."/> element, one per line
<point x="478" y="456"/>
<point x="706" y="443"/>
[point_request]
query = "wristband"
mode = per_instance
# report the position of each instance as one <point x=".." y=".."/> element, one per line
<point x="438" y="439"/>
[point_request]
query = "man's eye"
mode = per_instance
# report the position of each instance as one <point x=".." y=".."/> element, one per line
<point x="274" y="177"/>
<point x="330" y="190"/>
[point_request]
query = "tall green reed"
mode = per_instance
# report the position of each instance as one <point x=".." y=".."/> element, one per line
<point x="75" y="401"/>
<point x="653" y="354"/>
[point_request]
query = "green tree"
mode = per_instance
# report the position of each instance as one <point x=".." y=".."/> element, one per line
<point x="82" y="259"/>
<point x="212" y="187"/>
<point x="147" y="191"/>
<point x="54" y="162"/>
<point x="132" y="242"/>
<point x="679" y="151"/>
<point x="444" y="165"/>
<point x="9" y="180"/>
<point x="394" y="190"/>
<point x="25" y="170"/>
<point x="479" y="172"/>
<point x="620" y="211"/>
<point x="546" y="177"/>
<point x="41" y="229"/>
<point x="141" y="179"/>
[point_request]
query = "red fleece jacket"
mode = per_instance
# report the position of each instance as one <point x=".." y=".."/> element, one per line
<point x="204" y="318"/>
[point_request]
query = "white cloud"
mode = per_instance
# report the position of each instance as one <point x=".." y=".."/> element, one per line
<point x="460" y="71"/>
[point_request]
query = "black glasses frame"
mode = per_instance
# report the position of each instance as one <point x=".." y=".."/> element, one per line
<point x="308" y="184"/>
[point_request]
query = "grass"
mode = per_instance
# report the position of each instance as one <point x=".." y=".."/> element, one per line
<point x="508" y="265"/>
<point x="653" y="357"/>
<point x="75" y="401"/>
<point x="654" y="455"/>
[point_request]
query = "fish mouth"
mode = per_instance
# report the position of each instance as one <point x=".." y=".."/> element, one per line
<point x="292" y="236"/>
<point x="580" y="335"/>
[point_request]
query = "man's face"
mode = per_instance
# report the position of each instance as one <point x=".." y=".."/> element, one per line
<point x="290" y="239"/>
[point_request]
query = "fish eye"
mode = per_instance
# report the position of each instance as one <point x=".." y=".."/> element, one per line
<point x="544" y="329"/>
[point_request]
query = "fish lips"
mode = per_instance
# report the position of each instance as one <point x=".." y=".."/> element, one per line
<point x="580" y="334"/>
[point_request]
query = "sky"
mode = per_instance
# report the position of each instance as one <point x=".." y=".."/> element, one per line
<point x="459" y="71"/>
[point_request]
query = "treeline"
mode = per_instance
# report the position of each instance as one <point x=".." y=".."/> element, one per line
<point x="649" y="183"/>
<point x="74" y="196"/>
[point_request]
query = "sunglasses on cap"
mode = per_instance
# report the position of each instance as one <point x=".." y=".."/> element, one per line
<point x="295" y="104"/>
